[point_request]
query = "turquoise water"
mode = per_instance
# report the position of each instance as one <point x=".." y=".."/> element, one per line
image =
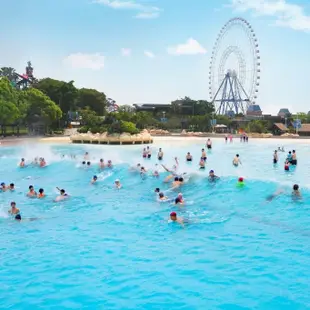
<point x="114" y="249"/>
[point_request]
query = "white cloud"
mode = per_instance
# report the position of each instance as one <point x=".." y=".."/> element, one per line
<point x="149" y="54"/>
<point x="126" y="51"/>
<point x="143" y="11"/>
<point x="287" y="14"/>
<point x="191" y="47"/>
<point x="85" y="61"/>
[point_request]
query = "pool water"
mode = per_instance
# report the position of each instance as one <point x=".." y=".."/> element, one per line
<point x="114" y="249"/>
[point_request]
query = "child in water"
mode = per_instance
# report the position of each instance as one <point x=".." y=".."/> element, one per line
<point x="240" y="182"/>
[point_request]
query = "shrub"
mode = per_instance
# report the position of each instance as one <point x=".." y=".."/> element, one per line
<point x="129" y="127"/>
<point x="83" y="129"/>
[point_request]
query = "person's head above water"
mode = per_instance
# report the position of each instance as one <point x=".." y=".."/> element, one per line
<point x="176" y="179"/>
<point x="95" y="177"/>
<point x="173" y="216"/>
<point x="101" y="160"/>
<point x="31" y="187"/>
<point x="117" y="181"/>
<point x="62" y="191"/>
<point x="181" y="179"/>
<point x="211" y="172"/>
<point x="83" y="162"/>
<point x="88" y="163"/>
<point x="13" y="204"/>
<point x="41" y="190"/>
<point x="157" y="190"/>
<point x="23" y="159"/>
<point x="237" y="155"/>
<point x="161" y="195"/>
<point x="295" y="187"/>
<point x="240" y="180"/>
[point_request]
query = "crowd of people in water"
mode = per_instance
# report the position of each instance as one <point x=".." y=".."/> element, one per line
<point x="174" y="176"/>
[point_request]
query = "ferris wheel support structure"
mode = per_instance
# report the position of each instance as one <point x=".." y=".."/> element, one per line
<point x="227" y="87"/>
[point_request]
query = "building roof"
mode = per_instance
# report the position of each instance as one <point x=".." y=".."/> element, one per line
<point x="281" y="126"/>
<point x="254" y="108"/>
<point x="304" y="128"/>
<point x="284" y="110"/>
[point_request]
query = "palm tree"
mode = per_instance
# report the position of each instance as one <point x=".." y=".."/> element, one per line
<point x="8" y="72"/>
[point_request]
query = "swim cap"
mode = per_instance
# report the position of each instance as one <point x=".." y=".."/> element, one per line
<point x="240" y="179"/>
<point x="211" y="171"/>
<point x="95" y="177"/>
<point x="117" y="180"/>
<point x="2" y="183"/>
<point x="173" y="214"/>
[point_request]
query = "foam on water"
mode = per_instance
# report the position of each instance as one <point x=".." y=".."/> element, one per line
<point x="113" y="249"/>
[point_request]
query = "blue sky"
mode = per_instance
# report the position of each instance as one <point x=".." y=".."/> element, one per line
<point x="140" y="51"/>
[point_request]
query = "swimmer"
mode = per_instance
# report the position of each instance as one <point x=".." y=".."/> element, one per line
<point x="88" y="164"/>
<point x="110" y="164"/>
<point x="94" y="179"/>
<point x="236" y="161"/>
<point x="212" y="177"/>
<point x="35" y="161"/>
<point x="203" y="154"/>
<point x="176" y="182"/>
<point x="63" y="195"/>
<point x="202" y="163"/>
<point x="240" y="182"/>
<point x="160" y="154"/>
<point x="296" y="192"/>
<point x="144" y="153"/>
<point x="179" y="200"/>
<point x="162" y="197"/>
<point x="41" y="193"/>
<point x="275" y="157"/>
<point x="22" y="163"/>
<point x="11" y="187"/>
<point x="32" y="193"/>
<point x="157" y="190"/>
<point x="149" y="152"/>
<point x="101" y="163"/>
<point x="287" y="165"/>
<point x="226" y="138"/>
<point x="42" y="162"/>
<point x="156" y="174"/>
<point x="173" y="171"/>
<point x="209" y="144"/>
<point x="3" y="187"/>
<point x="117" y="184"/>
<point x="289" y="157"/>
<point x="86" y="156"/>
<point x="294" y="158"/>
<point x="281" y="149"/>
<point x="15" y="211"/>
<point x="83" y="163"/>
<point x="189" y="157"/>
<point x="174" y="218"/>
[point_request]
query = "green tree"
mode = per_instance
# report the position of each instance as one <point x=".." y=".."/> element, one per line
<point x="7" y="92"/>
<point x="90" y="118"/>
<point x="257" y="126"/>
<point x="64" y="94"/>
<point x="9" y="112"/>
<point x="41" y="107"/>
<point x="93" y="99"/>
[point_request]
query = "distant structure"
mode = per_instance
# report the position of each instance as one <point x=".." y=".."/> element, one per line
<point x="233" y="90"/>
<point x="284" y="113"/>
<point x="254" y="110"/>
<point x="23" y="81"/>
<point x="152" y="107"/>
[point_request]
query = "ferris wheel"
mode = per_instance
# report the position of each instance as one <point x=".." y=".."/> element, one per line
<point x="234" y="72"/>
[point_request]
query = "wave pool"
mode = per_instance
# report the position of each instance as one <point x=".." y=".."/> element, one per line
<point x="114" y="249"/>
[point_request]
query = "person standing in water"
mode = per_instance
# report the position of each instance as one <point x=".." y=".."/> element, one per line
<point x="202" y="163"/>
<point x="209" y="144"/>
<point x="294" y="158"/>
<point x="236" y="161"/>
<point x="203" y="154"/>
<point x="189" y="157"/>
<point x="275" y="157"/>
<point x="160" y="154"/>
